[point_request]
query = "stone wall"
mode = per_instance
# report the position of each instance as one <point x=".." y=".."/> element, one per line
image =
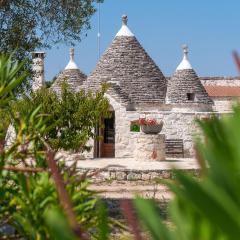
<point x="136" y="175"/>
<point x="223" y="104"/>
<point x="218" y="81"/>
<point x="179" y="124"/>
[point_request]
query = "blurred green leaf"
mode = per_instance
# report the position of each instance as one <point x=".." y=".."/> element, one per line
<point x="58" y="226"/>
<point x="149" y="215"/>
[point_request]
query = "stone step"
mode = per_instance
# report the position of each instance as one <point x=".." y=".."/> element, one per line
<point x="128" y="190"/>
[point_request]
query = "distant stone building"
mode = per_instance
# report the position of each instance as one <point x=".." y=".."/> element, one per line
<point x="71" y="74"/>
<point x="140" y="90"/>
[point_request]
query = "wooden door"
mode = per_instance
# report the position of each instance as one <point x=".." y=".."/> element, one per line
<point x="107" y="148"/>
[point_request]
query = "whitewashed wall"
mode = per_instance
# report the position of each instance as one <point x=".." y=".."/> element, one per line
<point x="223" y="104"/>
<point x="231" y="82"/>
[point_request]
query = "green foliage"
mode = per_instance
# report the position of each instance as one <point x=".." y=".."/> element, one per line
<point x="30" y="204"/>
<point x="206" y="208"/>
<point x="149" y="213"/>
<point x="9" y="80"/>
<point x="31" y="199"/>
<point x="59" y="228"/>
<point x="34" y="24"/>
<point x="103" y="223"/>
<point x="4" y="116"/>
<point x="134" y="126"/>
<point x="71" y="117"/>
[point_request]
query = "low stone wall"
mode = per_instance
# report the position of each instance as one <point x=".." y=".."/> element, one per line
<point x="135" y="175"/>
<point x="149" y="147"/>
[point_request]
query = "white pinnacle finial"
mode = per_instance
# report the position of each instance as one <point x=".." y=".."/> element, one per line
<point x="71" y="63"/>
<point x="185" y="64"/>
<point x="72" y="54"/>
<point x="124" y="19"/>
<point x="185" y="50"/>
<point x="125" y="31"/>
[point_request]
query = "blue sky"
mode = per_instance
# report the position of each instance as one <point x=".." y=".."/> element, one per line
<point x="211" y="28"/>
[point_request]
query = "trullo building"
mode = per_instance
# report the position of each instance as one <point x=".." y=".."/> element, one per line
<point x="139" y="89"/>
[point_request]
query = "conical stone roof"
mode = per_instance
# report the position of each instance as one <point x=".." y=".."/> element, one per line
<point x="185" y="86"/>
<point x="126" y="64"/>
<point x="71" y="74"/>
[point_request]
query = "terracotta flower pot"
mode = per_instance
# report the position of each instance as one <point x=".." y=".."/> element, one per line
<point x="152" y="129"/>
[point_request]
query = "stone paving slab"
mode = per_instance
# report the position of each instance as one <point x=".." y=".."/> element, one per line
<point x="123" y="190"/>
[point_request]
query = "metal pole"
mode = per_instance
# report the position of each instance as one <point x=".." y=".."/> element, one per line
<point x="99" y="29"/>
<point x="97" y="142"/>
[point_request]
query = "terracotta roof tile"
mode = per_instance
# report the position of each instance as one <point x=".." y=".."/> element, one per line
<point x="222" y="91"/>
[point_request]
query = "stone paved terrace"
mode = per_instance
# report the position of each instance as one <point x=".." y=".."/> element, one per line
<point x="132" y="164"/>
<point x="122" y="178"/>
<point x="129" y="169"/>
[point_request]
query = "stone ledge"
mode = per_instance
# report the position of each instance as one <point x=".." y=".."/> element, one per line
<point x="135" y="175"/>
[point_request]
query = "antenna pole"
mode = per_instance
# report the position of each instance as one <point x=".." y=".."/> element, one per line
<point x="99" y="30"/>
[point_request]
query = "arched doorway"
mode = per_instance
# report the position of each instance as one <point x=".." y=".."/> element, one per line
<point x="105" y="146"/>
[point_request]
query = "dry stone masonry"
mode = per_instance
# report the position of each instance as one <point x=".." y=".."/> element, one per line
<point x="126" y="64"/>
<point x="71" y="74"/>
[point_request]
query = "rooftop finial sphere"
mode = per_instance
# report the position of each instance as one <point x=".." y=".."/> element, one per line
<point x="124" y="19"/>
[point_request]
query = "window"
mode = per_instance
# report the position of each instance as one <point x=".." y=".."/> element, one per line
<point x="190" y="96"/>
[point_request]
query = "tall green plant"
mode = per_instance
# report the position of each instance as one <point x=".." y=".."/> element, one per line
<point x="72" y="116"/>
<point x="9" y="80"/>
<point x="41" y="197"/>
<point x="209" y="207"/>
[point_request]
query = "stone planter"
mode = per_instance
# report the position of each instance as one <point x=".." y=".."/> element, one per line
<point x="152" y="129"/>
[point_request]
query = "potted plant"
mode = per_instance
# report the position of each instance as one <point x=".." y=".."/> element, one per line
<point x="150" y="125"/>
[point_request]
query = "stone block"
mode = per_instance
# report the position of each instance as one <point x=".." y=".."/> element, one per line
<point x="154" y="175"/>
<point x="104" y="175"/>
<point x="134" y="176"/>
<point x="146" y="176"/>
<point x="166" y="175"/>
<point x="121" y="176"/>
<point x="113" y="175"/>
